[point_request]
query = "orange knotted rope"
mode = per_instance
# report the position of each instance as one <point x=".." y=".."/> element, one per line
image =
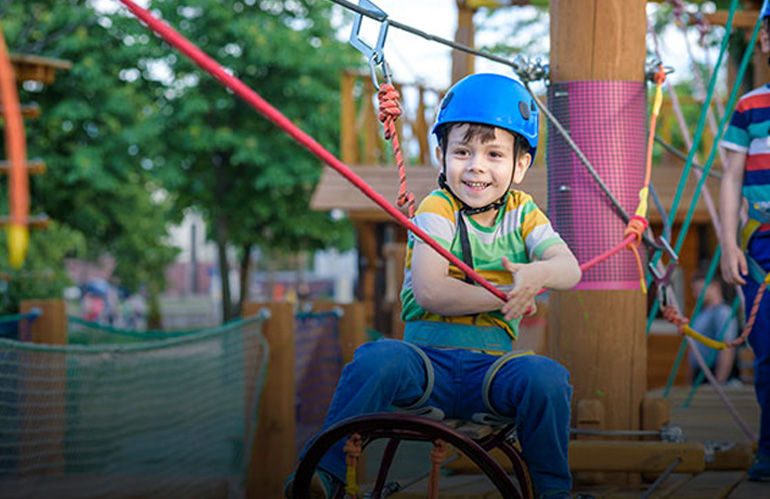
<point x="390" y="110"/>
<point x="752" y="315"/>
<point x="636" y="227"/>
<point x="437" y="456"/>
<point x="353" y="448"/>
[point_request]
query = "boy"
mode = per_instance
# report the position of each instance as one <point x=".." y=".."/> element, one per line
<point x="455" y="331"/>
<point x="747" y="175"/>
<point x="714" y="322"/>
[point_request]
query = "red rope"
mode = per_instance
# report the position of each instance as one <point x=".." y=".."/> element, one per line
<point x="752" y="317"/>
<point x="390" y="110"/>
<point x="175" y="39"/>
<point x="437" y="456"/>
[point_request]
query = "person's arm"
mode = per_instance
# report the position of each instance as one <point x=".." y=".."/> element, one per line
<point x="436" y="291"/>
<point x="733" y="261"/>
<point x="557" y="269"/>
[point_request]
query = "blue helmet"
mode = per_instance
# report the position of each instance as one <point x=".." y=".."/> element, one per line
<point x="765" y="12"/>
<point x="491" y="99"/>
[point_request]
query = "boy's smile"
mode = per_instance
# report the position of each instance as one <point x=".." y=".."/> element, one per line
<point x="480" y="173"/>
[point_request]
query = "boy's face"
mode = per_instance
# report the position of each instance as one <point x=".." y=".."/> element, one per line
<point x="481" y="173"/>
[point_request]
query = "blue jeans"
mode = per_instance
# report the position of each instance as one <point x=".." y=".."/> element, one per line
<point x="535" y="390"/>
<point x="759" y="338"/>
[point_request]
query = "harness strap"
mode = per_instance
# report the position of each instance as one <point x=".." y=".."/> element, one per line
<point x="465" y="244"/>
<point x="430" y="378"/>
<point x="492" y="371"/>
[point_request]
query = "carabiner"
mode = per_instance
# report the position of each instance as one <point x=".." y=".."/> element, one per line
<point x="375" y="55"/>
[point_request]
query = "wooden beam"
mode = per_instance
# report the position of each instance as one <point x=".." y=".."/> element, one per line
<point x="743" y="19"/>
<point x="34" y="167"/>
<point x="28" y="111"/>
<point x="38" y="222"/>
<point x="594" y="455"/>
<point x="35" y="68"/>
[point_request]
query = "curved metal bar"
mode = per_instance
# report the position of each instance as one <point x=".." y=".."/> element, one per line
<point x="403" y="427"/>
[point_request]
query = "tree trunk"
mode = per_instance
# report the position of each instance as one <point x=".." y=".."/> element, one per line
<point x="224" y="270"/>
<point x="245" y="274"/>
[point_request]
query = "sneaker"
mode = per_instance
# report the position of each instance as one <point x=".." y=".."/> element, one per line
<point x="760" y="470"/>
<point x="322" y="486"/>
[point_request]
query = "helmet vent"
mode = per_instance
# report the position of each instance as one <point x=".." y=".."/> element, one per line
<point x="524" y="109"/>
<point x="446" y="100"/>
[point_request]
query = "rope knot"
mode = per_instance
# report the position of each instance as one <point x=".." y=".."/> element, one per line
<point x="636" y="227"/>
<point x="672" y="316"/>
<point x="660" y="75"/>
<point x="390" y="108"/>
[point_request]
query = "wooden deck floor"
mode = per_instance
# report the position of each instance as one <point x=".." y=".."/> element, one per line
<point x="705" y="420"/>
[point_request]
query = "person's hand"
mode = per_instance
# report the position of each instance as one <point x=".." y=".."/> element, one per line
<point x="734" y="265"/>
<point x="527" y="283"/>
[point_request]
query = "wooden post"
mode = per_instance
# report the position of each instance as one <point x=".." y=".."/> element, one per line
<point x="599" y="335"/>
<point x="51" y="327"/>
<point x="463" y="63"/>
<point x="273" y="452"/>
<point x="44" y="403"/>
<point x="352" y="325"/>
<point x="590" y="415"/>
<point x="348" y="132"/>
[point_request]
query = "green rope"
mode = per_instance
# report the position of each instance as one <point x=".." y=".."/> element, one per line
<point x="698" y="305"/>
<point x="14" y="345"/>
<point x="747" y="55"/>
<point x="8" y="319"/>
<point x="713" y="353"/>
<point x="149" y="334"/>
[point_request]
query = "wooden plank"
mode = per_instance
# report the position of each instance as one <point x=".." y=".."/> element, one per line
<point x="32" y="67"/>
<point x="750" y="490"/>
<point x="273" y="453"/>
<point x="34" y="167"/>
<point x="743" y="19"/>
<point x="587" y="455"/>
<point x="664" y="490"/>
<point x="37" y="222"/>
<point x="711" y="484"/>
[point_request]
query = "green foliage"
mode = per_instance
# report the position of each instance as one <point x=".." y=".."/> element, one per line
<point x="43" y="275"/>
<point x="95" y="122"/>
<point x="249" y="179"/>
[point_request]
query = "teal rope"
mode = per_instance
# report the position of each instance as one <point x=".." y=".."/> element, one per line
<point x="149" y="334"/>
<point x="8" y="319"/>
<point x="713" y="353"/>
<point x="699" y="132"/>
<point x="698" y="305"/>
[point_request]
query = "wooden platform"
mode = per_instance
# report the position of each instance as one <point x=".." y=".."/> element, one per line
<point x="705" y="420"/>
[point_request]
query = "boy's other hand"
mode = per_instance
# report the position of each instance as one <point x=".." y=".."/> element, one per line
<point x="734" y="265"/>
<point x="527" y="283"/>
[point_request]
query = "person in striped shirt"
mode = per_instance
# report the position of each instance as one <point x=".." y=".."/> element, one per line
<point x="457" y="356"/>
<point x="746" y="253"/>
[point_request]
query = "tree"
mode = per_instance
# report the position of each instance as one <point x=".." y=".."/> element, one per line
<point x="251" y="182"/>
<point x="96" y="122"/>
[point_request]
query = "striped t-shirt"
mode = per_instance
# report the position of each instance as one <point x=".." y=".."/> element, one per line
<point x="749" y="132"/>
<point x="521" y="232"/>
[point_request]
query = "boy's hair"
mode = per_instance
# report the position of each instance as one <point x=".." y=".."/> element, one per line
<point x="485" y="133"/>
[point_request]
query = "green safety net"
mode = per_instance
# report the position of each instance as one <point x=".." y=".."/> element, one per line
<point x="161" y="417"/>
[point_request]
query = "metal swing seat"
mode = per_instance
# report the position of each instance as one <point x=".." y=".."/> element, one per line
<point x="473" y="439"/>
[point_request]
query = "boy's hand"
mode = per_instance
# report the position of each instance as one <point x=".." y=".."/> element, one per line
<point x="734" y="265"/>
<point x="527" y="283"/>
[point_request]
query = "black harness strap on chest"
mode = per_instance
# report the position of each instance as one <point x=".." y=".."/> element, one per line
<point x="465" y="244"/>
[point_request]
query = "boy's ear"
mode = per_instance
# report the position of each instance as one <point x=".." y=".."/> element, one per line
<point x="764" y="38"/>
<point x="439" y="156"/>
<point x="521" y="166"/>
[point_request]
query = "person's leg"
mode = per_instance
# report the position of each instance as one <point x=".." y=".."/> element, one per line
<point x="537" y="391"/>
<point x="383" y="374"/>
<point x="759" y="340"/>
